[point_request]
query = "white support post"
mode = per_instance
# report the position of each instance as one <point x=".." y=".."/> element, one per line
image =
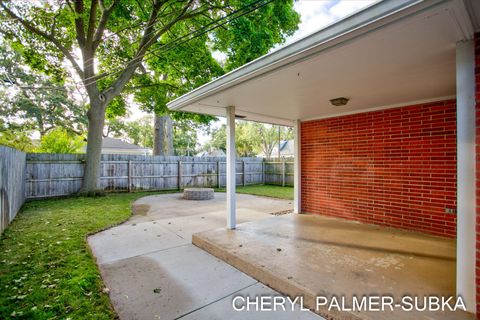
<point x="231" y="174"/>
<point x="297" y="203"/>
<point x="466" y="196"/>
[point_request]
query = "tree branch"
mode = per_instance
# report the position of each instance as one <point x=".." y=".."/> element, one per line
<point x="79" y="25"/>
<point x="91" y="23"/>
<point x="129" y="70"/>
<point x="145" y="43"/>
<point x="54" y="23"/>
<point x="49" y="37"/>
<point x="106" y="12"/>
<point x="152" y="85"/>
<point x="165" y="28"/>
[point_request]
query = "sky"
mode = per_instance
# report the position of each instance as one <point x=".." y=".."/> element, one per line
<point x="315" y="15"/>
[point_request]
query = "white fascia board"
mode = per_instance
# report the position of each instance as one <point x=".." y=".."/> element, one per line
<point x="363" y="22"/>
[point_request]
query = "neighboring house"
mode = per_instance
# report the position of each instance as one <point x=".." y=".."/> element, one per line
<point x="383" y="105"/>
<point x="211" y="153"/>
<point x="117" y="146"/>
<point x="287" y="150"/>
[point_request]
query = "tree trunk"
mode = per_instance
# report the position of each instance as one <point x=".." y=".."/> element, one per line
<point x="96" y="121"/>
<point x="159" y="136"/>
<point x="169" y="135"/>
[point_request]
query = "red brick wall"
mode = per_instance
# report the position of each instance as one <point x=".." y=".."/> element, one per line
<point x="477" y="88"/>
<point x="395" y="167"/>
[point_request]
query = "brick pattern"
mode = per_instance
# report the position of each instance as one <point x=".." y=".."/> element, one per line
<point x="477" y="143"/>
<point x="395" y="167"/>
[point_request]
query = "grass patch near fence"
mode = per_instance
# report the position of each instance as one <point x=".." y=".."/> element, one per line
<point x="46" y="268"/>
<point x="265" y="190"/>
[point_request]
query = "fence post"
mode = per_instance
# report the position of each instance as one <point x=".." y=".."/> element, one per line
<point x="244" y="173"/>
<point x="263" y="171"/>
<point x="129" y="179"/>
<point x="283" y="173"/>
<point x="179" y="175"/>
<point x="218" y="174"/>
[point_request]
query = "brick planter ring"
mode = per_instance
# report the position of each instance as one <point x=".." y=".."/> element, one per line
<point x="198" y="194"/>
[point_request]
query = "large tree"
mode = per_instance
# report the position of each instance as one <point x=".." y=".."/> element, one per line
<point x="115" y="37"/>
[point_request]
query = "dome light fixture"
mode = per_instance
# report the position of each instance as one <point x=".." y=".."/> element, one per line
<point x="338" y="102"/>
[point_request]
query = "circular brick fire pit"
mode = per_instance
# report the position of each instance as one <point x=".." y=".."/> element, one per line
<point x="198" y="194"/>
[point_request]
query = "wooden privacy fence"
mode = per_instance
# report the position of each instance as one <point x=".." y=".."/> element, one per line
<point x="12" y="184"/>
<point x="279" y="172"/>
<point x="50" y="175"/>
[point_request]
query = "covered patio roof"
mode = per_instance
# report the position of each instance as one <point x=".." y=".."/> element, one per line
<point x="392" y="53"/>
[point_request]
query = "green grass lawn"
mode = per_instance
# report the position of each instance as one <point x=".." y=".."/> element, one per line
<point x="46" y="268"/>
<point x="266" y="190"/>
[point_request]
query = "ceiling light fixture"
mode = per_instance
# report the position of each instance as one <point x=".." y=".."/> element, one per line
<point x="341" y="101"/>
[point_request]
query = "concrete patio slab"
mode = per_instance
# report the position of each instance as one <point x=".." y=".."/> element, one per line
<point x="313" y="255"/>
<point x="172" y="205"/>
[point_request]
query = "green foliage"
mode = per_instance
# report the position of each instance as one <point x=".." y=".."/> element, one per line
<point x="29" y="99"/>
<point x="17" y="139"/>
<point x="218" y="140"/>
<point x="139" y="132"/>
<point x="252" y="36"/>
<point x="176" y="72"/>
<point x="270" y="136"/>
<point x="251" y="138"/>
<point x="116" y="108"/>
<point x="185" y="136"/>
<point x="46" y="268"/>
<point x="245" y="140"/>
<point x="61" y="141"/>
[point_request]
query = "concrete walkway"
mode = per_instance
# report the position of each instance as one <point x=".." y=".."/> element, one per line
<point x="154" y="272"/>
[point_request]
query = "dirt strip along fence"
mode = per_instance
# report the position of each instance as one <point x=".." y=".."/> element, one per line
<point x="12" y="184"/>
<point x="50" y="175"/>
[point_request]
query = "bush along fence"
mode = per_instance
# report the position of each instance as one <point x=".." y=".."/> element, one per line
<point x="51" y="175"/>
<point x="12" y="184"/>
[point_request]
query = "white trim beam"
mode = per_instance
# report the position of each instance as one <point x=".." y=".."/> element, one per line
<point x="466" y="193"/>
<point x="297" y="180"/>
<point x="231" y="174"/>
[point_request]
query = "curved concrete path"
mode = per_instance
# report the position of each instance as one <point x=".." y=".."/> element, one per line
<point x="154" y="272"/>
